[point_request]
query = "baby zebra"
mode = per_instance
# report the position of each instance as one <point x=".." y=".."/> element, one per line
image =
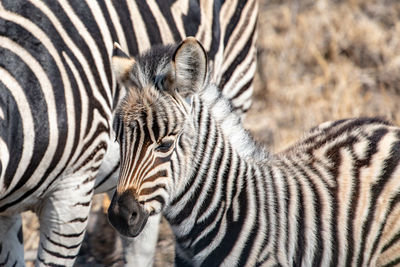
<point x="333" y="199"/>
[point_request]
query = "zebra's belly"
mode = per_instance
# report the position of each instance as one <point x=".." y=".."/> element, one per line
<point x="61" y="167"/>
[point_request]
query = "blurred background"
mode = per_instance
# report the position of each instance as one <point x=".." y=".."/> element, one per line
<point x="318" y="60"/>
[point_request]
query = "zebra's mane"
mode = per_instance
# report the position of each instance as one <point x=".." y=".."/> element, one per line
<point x="231" y="124"/>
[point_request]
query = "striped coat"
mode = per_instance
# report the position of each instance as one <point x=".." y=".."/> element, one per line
<point x="58" y="95"/>
<point x="332" y="199"/>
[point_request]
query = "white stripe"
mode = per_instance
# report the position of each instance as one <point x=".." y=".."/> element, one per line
<point x="92" y="45"/>
<point x="47" y="87"/>
<point x="84" y="102"/>
<point x="237" y="40"/>
<point x="1" y="114"/>
<point x="243" y="74"/>
<point x="27" y="128"/>
<point x="4" y="159"/>
<point x="179" y="9"/>
<point x="102" y="24"/>
<point x="117" y="25"/>
<point x="165" y="31"/>
<point x="78" y="54"/>
<point x="139" y="27"/>
<point x="48" y="91"/>
<point x="105" y="34"/>
<point x="248" y="224"/>
<point x="227" y="11"/>
<point x="204" y="33"/>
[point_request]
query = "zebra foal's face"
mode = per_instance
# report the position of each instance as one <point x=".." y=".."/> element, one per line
<point x="148" y="124"/>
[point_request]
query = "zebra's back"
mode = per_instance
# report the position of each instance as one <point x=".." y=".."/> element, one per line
<point x="339" y="191"/>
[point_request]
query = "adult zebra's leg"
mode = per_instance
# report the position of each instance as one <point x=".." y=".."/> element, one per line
<point x="11" y="241"/>
<point x="63" y="220"/>
<point x="140" y="251"/>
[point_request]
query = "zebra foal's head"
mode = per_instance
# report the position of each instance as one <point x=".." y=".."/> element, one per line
<point x="149" y="125"/>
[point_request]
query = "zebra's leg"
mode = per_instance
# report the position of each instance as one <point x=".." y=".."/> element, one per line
<point x="140" y="251"/>
<point x="63" y="219"/>
<point x="11" y="241"/>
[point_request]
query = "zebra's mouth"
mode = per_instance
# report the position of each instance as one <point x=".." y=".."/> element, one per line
<point x="126" y="215"/>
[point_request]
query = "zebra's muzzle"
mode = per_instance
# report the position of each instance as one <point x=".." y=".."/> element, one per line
<point x="126" y="215"/>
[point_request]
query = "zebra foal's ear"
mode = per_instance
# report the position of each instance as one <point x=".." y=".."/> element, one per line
<point x="189" y="67"/>
<point x="121" y="63"/>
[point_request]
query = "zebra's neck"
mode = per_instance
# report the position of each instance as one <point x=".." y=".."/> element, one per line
<point x="229" y="123"/>
<point x="225" y="171"/>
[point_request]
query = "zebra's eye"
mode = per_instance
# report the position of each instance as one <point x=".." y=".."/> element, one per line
<point x="164" y="146"/>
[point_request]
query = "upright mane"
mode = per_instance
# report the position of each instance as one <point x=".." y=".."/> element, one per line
<point x="231" y="124"/>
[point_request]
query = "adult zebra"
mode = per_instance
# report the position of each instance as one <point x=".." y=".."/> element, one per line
<point x="57" y="96"/>
<point x="333" y="199"/>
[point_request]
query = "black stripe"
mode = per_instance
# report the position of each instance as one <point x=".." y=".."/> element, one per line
<point x="108" y="176"/>
<point x="153" y="32"/>
<point x="374" y="140"/>
<point x="191" y="21"/>
<point x="213" y="174"/>
<point x="268" y="210"/>
<point x="287" y="197"/>
<point x="69" y="235"/>
<point x="20" y="235"/>
<point x="85" y="204"/>
<point x="165" y="8"/>
<point x="101" y="128"/>
<point x="394" y="241"/>
<point x="155" y="127"/>
<point x="245" y="252"/>
<point x="49" y="263"/>
<point x="10" y="130"/>
<point x="159" y="199"/>
<point x="236" y="62"/>
<point x="200" y="148"/>
<point x="201" y="226"/>
<point x="107" y="18"/>
<point x="390" y="164"/>
<point x="3" y="263"/>
<point x="204" y="162"/>
<point x="393" y="263"/>
<point x="234" y="20"/>
<point x="150" y="190"/>
<point x="79" y="219"/>
<point x="276" y="208"/>
<point x="61" y="245"/>
<point x="85" y="15"/>
<point x="127" y="26"/>
<point x="56" y="254"/>
<point x="216" y="30"/>
<point x="244" y="88"/>
<point x="234" y="228"/>
<point x="37" y="105"/>
<point x="300" y="244"/>
<point x="318" y="215"/>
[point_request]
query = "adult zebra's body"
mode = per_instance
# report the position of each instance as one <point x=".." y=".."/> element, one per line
<point x="331" y="200"/>
<point x="57" y="96"/>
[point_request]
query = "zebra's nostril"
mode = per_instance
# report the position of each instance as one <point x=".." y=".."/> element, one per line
<point x="126" y="214"/>
<point x="133" y="218"/>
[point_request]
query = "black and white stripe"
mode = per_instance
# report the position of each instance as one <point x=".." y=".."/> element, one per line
<point x="332" y="199"/>
<point x="58" y="94"/>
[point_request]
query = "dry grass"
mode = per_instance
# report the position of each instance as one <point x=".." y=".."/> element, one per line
<point x="324" y="60"/>
<point x="318" y="60"/>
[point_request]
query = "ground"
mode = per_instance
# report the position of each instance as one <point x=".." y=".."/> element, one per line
<point x="317" y="61"/>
